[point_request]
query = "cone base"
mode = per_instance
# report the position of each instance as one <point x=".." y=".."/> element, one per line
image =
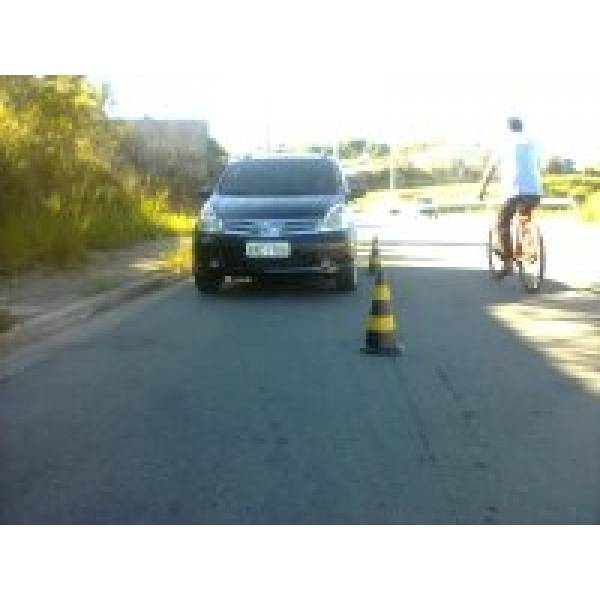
<point x="397" y="351"/>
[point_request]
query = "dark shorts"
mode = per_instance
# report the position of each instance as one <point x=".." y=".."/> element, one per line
<point x="509" y="208"/>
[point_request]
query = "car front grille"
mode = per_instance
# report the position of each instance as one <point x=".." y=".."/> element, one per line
<point x="268" y="227"/>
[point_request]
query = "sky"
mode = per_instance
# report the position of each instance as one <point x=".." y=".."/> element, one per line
<point x="244" y="112"/>
<point x="316" y="71"/>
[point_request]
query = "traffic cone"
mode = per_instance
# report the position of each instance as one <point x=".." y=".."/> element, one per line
<point x="374" y="258"/>
<point x="381" y="327"/>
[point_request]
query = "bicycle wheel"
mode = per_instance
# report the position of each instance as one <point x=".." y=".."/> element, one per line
<point x="531" y="261"/>
<point x="494" y="253"/>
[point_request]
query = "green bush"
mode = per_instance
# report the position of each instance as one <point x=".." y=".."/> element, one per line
<point x="64" y="186"/>
<point x="590" y="209"/>
<point x="581" y="192"/>
<point x="576" y="186"/>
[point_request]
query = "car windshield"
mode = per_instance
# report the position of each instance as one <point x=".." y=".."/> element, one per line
<point x="280" y="177"/>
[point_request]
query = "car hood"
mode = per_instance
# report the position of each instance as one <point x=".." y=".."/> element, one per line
<point x="280" y="207"/>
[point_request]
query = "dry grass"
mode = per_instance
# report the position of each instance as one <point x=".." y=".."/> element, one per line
<point x="179" y="260"/>
<point x="62" y="239"/>
<point x="590" y="210"/>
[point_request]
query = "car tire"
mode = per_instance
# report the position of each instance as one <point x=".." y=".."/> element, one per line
<point x="207" y="283"/>
<point x="346" y="279"/>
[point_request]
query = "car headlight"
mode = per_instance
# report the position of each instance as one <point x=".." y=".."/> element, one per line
<point x="334" y="220"/>
<point x="209" y="221"/>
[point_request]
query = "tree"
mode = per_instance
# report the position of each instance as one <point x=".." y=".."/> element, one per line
<point x="182" y="163"/>
<point x="352" y="148"/>
<point x="378" y="150"/>
<point x="319" y="149"/>
<point x="71" y="178"/>
<point x="558" y="165"/>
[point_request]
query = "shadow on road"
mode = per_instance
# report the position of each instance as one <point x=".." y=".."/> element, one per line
<point x="492" y="372"/>
<point x="256" y="406"/>
<point x="277" y="287"/>
<point x="561" y="324"/>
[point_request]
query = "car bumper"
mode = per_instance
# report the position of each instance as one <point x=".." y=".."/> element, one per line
<point x="311" y="254"/>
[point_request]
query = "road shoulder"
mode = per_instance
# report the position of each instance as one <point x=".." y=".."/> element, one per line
<point x="39" y="304"/>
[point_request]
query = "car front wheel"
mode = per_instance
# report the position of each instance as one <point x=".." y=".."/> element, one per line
<point x="347" y="278"/>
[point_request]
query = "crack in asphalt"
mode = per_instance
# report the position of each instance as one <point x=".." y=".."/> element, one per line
<point x="445" y="379"/>
<point x="417" y="421"/>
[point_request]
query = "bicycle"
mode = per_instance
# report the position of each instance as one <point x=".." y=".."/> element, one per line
<point x="528" y="250"/>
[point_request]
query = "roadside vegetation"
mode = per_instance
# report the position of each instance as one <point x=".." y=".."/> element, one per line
<point x="584" y="189"/>
<point x="449" y="178"/>
<point x="179" y="260"/>
<point x="68" y="182"/>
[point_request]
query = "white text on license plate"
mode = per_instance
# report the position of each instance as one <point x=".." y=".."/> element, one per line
<point x="267" y="249"/>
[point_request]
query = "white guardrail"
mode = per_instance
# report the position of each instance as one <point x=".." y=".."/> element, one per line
<point x="466" y="204"/>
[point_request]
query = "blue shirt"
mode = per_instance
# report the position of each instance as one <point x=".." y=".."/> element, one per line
<point x="519" y="168"/>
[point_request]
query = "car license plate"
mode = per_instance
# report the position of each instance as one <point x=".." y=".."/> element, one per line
<point x="267" y="249"/>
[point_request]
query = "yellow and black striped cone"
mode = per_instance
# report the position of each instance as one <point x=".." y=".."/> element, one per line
<point x="374" y="258"/>
<point x="381" y="327"/>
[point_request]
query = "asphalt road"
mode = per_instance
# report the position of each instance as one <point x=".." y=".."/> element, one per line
<point x="256" y="406"/>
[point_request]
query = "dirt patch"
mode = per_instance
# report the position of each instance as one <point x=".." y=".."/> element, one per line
<point x="41" y="291"/>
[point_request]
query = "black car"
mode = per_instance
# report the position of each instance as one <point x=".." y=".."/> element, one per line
<point x="277" y="215"/>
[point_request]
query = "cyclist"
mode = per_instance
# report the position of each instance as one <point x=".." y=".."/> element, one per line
<point x="521" y="184"/>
